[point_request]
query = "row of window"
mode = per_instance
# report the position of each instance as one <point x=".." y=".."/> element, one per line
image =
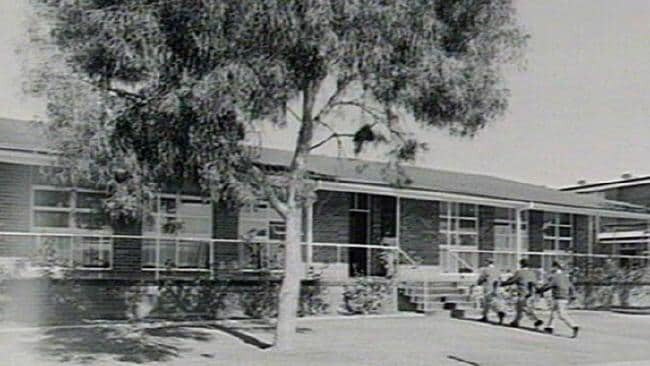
<point x="80" y="211"/>
<point x="459" y="225"/>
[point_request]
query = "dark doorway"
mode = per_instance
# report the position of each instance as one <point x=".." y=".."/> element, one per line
<point x="358" y="257"/>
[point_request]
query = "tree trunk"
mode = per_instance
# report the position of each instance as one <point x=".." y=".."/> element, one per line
<point x="290" y="290"/>
<point x="293" y="269"/>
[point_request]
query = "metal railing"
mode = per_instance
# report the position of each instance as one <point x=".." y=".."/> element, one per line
<point x="506" y="260"/>
<point x="169" y="254"/>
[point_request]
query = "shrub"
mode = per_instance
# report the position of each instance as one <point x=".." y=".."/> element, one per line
<point x="262" y="301"/>
<point x="201" y="298"/>
<point x="366" y="296"/>
<point x="311" y="297"/>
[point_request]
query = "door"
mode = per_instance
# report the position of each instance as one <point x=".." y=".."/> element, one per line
<point x="358" y="257"/>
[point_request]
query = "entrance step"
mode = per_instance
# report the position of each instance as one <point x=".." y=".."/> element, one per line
<point x="434" y="296"/>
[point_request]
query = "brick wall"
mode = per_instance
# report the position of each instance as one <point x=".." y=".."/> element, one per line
<point x="331" y="224"/>
<point x="15" y="196"/>
<point x="581" y="233"/>
<point x="419" y="229"/>
<point x="485" y="232"/>
<point x="127" y="253"/>
<point x="225" y="226"/>
<point x="331" y="217"/>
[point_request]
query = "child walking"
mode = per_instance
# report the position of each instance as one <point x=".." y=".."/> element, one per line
<point x="562" y="291"/>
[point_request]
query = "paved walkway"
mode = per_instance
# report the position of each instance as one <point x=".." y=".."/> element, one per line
<point x="606" y="339"/>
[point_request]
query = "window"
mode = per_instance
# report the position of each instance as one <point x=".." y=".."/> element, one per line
<point x="505" y="236"/>
<point x="259" y="221"/>
<point x="183" y="225"/>
<point x="459" y="223"/>
<point x="78" y="212"/>
<point x="505" y="229"/>
<point x="558" y="231"/>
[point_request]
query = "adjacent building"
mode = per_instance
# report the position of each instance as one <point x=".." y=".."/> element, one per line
<point x="626" y="237"/>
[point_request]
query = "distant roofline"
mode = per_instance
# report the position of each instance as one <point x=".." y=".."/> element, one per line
<point x="601" y="186"/>
<point x="35" y="155"/>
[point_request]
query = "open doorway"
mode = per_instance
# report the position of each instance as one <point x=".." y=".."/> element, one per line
<point x="359" y="234"/>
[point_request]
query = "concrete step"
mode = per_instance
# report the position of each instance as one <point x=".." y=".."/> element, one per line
<point x="439" y="298"/>
<point x="411" y="291"/>
<point x="464" y="305"/>
<point x="428" y="284"/>
<point x="429" y="307"/>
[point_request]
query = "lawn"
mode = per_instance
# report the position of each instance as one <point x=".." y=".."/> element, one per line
<point x="605" y="339"/>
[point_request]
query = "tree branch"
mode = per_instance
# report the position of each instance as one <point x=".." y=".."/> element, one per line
<point x="334" y="135"/>
<point x="364" y="107"/>
<point x="263" y="183"/>
<point x="330" y="104"/>
<point x="294" y="114"/>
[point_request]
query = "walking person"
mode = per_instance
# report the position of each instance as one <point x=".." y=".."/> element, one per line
<point x="489" y="281"/>
<point x="562" y="290"/>
<point x="525" y="281"/>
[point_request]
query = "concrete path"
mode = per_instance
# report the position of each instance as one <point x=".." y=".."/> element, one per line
<point x="606" y="339"/>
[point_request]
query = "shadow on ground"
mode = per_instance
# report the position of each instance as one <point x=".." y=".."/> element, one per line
<point x="119" y="343"/>
<point x="138" y="344"/>
<point x="254" y="333"/>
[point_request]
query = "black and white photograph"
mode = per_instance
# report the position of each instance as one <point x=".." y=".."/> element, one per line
<point x="325" y="182"/>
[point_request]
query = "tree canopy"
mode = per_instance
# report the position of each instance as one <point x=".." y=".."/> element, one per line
<point x="155" y="92"/>
<point x="177" y="83"/>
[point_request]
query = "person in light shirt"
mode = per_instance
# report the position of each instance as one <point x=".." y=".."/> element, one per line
<point x="489" y="280"/>
<point x="562" y="290"/>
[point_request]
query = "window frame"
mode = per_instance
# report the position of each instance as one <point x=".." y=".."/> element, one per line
<point x="73" y="232"/>
<point x="267" y="219"/>
<point x="556" y="238"/>
<point x="511" y="222"/>
<point x="453" y="218"/>
<point x="160" y="237"/>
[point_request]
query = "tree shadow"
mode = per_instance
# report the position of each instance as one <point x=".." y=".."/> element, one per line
<point x="138" y="344"/>
<point x="250" y="332"/>
<point x="120" y="343"/>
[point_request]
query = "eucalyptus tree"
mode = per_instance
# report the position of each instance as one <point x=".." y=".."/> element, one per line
<point x="167" y="90"/>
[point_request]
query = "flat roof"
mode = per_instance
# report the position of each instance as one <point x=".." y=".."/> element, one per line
<point x="605" y="185"/>
<point x="28" y="137"/>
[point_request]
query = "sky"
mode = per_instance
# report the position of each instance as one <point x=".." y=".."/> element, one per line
<point x="580" y="109"/>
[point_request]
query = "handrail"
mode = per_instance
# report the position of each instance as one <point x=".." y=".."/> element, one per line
<point x="461" y="260"/>
<point x="413" y="262"/>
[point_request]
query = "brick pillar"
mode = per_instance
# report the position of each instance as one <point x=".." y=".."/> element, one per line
<point x="127" y="253"/>
<point x="419" y="229"/>
<point x="581" y="234"/>
<point x="600" y="248"/>
<point x="535" y="237"/>
<point x="581" y="244"/>
<point x="225" y="225"/>
<point x="485" y="233"/>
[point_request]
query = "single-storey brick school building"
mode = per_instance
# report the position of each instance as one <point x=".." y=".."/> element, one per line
<point x="442" y="224"/>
